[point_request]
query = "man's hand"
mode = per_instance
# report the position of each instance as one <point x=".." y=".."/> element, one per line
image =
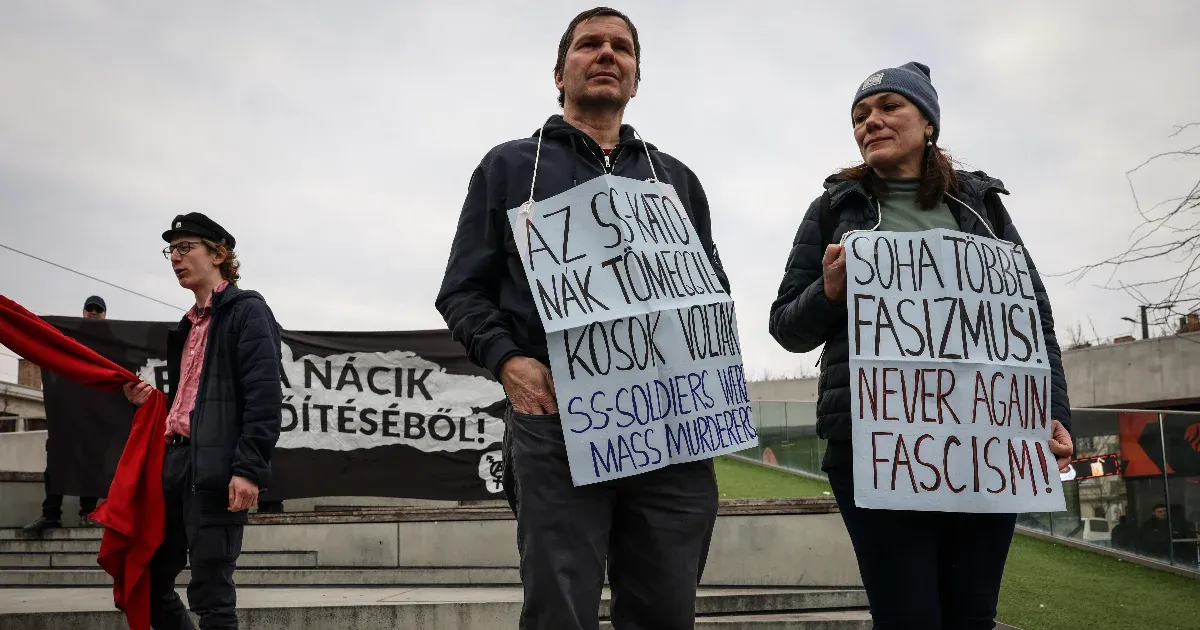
<point x="137" y="393"/>
<point x="1061" y="445"/>
<point x="243" y="494"/>
<point x="529" y="386"/>
<point x="833" y="269"/>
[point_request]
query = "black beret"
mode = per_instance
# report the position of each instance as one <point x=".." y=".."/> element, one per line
<point x="200" y="225"/>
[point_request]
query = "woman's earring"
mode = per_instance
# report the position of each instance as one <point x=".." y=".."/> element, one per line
<point x="928" y="142"/>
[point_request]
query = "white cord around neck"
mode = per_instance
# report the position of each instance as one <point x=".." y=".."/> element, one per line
<point x="987" y="224"/>
<point x="653" y="174"/>
<point x="878" y="222"/>
<point x="537" y="157"/>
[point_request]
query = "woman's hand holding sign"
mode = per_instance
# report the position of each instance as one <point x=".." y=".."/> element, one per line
<point x="833" y="270"/>
<point x="529" y="386"/>
<point x="1061" y="445"/>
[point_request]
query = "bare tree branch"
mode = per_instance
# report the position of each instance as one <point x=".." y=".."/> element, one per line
<point x="1179" y="128"/>
<point x="1076" y="339"/>
<point x="1168" y="236"/>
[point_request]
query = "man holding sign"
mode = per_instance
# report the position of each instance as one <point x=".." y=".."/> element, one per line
<point x="942" y="391"/>
<point x="583" y="275"/>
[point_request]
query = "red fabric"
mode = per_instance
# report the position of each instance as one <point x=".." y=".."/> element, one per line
<point x="132" y="514"/>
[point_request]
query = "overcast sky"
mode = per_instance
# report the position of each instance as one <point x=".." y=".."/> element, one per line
<point x="336" y="140"/>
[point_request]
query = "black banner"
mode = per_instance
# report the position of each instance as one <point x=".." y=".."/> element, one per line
<point x="86" y="427"/>
<point x="384" y="414"/>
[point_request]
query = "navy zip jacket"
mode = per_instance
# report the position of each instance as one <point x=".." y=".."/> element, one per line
<point x="485" y="297"/>
<point x="239" y="402"/>
<point x="802" y="318"/>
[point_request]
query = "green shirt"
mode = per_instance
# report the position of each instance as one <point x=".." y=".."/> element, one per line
<point x="902" y="213"/>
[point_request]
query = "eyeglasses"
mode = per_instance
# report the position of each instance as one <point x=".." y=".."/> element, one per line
<point x="183" y="246"/>
<point x="94" y="309"/>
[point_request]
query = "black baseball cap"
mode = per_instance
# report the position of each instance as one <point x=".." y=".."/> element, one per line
<point x="95" y="300"/>
<point x="200" y="225"/>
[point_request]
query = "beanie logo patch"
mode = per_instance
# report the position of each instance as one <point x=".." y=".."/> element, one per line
<point x="872" y="81"/>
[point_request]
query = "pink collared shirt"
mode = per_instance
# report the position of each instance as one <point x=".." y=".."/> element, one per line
<point x="191" y="364"/>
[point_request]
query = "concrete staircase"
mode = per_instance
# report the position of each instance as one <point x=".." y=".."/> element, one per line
<point x="439" y="609"/>
<point x="773" y="564"/>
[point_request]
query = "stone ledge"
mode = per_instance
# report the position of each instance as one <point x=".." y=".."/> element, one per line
<point x="21" y="477"/>
<point x="491" y="512"/>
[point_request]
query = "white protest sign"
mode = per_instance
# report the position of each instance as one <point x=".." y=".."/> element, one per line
<point x="642" y="392"/>
<point x="949" y="378"/>
<point x="611" y="247"/>
<point x="642" y="337"/>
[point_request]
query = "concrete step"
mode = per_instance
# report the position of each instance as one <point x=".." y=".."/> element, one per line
<point x="394" y="576"/>
<point x="436" y="608"/>
<point x="88" y="560"/>
<point x="57" y="533"/>
<point x="820" y="620"/>
<point x="54" y="545"/>
<point x="756" y="543"/>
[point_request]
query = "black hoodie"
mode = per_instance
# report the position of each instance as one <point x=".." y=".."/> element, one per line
<point x="485" y="297"/>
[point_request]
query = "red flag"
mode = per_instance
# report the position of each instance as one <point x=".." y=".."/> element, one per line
<point x="132" y="514"/>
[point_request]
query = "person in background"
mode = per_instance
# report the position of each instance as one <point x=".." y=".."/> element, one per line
<point x="650" y="531"/>
<point x="223" y="422"/>
<point x="1124" y="534"/>
<point x="924" y="570"/>
<point x="93" y="308"/>
<point x="1154" y="536"/>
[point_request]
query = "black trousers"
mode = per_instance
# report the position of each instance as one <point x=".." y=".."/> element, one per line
<point x="926" y="570"/>
<point x="197" y="525"/>
<point x="652" y="531"/>
<point x="52" y="506"/>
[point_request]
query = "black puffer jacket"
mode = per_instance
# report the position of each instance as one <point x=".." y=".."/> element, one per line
<point x="485" y="297"/>
<point x="802" y="318"/>
<point x="238" y="411"/>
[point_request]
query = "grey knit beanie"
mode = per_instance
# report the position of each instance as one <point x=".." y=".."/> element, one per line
<point x="910" y="81"/>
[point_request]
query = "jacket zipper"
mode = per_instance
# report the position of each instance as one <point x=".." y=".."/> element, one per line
<point x="606" y="166"/>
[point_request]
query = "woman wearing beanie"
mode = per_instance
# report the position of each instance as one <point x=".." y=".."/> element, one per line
<point x="925" y="570"/>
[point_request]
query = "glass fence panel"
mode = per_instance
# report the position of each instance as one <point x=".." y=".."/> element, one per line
<point x="772" y="428"/>
<point x="1181" y="455"/>
<point x="802" y="450"/>
<point x="1134" y="483"/>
